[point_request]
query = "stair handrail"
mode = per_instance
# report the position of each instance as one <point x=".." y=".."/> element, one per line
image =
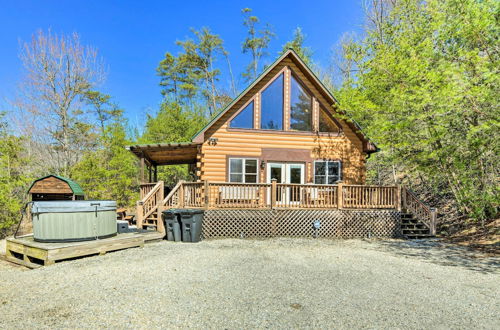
<point x="415" y="206"/>
<point x="154" y="190"/>
<point x="172" y="193"/>
<point x="158" y="189"/>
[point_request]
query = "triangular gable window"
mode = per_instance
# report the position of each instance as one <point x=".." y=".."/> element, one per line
<point x="300" y="107"/>
<point x="326" y="124"/>
<point x="244" y="119"/>
<point x="272" y="105"/>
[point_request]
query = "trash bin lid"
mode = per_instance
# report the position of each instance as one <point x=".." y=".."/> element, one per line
<point x="190" y="211"/>
<point x="171" y="212"/>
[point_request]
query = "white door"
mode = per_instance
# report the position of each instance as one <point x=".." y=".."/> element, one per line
<point x="294" y="175"/>
<point x="286" y="173"/>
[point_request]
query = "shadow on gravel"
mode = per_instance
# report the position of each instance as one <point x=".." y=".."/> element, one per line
<point x="434" y="251"/>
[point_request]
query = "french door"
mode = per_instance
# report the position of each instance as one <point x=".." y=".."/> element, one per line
<point x="291" y="173"/>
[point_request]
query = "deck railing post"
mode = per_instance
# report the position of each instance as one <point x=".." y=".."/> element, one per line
<point x="159" y="208"/>
<point x="399" y="190"/>
<point x="273" y="193"/>
<point x="206" y="193"/>
<point x="433" y="221"/>
<point x="403" y="198"/>
<point x="181" y="194"/>
<point x="340" y="195"/>
<point x="139" y="215"/>
<point x="160" y="227"/>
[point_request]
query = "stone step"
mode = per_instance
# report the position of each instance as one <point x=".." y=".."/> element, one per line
<point x="415" y="232"/>
<point x="414" y="226"/>
<point x="410" y="221"/>
<point x="417" y="229"/>
<point x="418" y="236"/>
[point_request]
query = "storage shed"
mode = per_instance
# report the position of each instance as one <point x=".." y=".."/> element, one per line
<point x="54" y="188"/>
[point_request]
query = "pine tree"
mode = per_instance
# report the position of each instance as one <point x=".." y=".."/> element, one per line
<point x="13" y="179"/>
<point x="256" y="43"/>
<point x="173" y="123"/>
<point x="297" y="44"/>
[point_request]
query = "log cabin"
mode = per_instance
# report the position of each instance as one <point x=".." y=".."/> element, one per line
<point x="283" y="143"/>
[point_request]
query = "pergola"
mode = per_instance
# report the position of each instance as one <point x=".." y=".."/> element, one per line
<point x="153" y="155"/>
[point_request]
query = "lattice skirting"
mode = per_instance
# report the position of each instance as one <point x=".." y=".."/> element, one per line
<point x="299" y="223"/>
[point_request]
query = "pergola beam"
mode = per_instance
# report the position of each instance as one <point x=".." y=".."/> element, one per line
<point x="165" y="154"/>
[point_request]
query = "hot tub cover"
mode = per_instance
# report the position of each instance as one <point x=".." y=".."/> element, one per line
<point x="72" y="206"/>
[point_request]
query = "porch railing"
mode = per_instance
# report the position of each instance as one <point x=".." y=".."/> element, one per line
<point x="282" y="195"/>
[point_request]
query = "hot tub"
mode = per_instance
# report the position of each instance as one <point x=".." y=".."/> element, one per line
<point x="73" y="221"/>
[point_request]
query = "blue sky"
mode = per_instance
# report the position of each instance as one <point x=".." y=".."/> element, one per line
<point x="133" y="36"/>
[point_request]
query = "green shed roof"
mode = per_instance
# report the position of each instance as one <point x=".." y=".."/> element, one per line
<point x="75" y="187"/>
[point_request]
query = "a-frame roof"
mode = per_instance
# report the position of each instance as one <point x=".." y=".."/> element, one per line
<point x="368" y="146"/>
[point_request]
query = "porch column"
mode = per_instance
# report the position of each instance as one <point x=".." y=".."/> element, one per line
<point x="150" y="170"/>
<point x="142" y="176"/>
<point x="156" y="173"/>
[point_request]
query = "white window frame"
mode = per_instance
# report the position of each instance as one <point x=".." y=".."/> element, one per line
<point x="243" y="168"/>
<point x="326" y="170"/>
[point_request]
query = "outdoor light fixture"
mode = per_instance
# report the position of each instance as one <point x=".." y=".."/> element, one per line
<point x="262" y="164"/>
<point x="212" y="141"/>
<point x="316" y="226"/>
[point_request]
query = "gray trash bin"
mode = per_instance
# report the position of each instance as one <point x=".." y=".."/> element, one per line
<point x="172" y="224"/>
<point x="191" y="220"/>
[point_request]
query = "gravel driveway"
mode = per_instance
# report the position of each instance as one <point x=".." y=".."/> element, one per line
<point x="279" y="283"/>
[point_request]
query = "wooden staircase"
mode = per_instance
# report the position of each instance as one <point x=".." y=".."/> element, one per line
<point x="413" y="228"/>
<point x="418" y="221"/>
<point x="153" y="203"/>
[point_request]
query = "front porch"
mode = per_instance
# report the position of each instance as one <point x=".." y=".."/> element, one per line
<point x="263" y="201"/>
<point x="278" y="201"/>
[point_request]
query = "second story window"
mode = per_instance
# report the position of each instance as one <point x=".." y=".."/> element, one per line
<point x="326" y="124"/>
<point x="244" y="119"/>
<point x="300" y="107"/>
<point x="272" y="105"/>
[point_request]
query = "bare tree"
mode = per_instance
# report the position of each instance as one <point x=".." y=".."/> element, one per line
<point x="375" y="13"/>
<point x="59" y="70"/>
<point x="343" y="61"/>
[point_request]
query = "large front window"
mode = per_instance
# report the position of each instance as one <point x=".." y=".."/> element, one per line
<point x="243" y="170"/>
<point x="327" y="172"/>
<point x="272" y="105"/>
<point x="300" y="107"/>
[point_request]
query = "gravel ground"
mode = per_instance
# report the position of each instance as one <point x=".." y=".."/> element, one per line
<point x="279" y="283"/>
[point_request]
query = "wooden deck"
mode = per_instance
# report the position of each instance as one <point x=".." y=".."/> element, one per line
<point x="25" y="251"/>
<point x="277" y="196"/>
